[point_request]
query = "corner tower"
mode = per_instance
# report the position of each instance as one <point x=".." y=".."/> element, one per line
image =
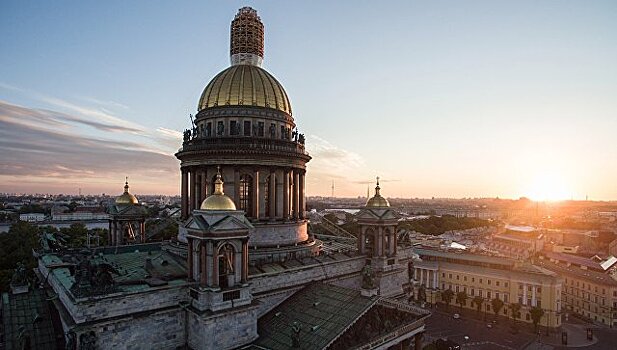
<point x="383" y="274"/>
<point x="244" y="124"/>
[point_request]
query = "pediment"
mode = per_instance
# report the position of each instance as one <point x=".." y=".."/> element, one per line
<point x="229" y="223"/>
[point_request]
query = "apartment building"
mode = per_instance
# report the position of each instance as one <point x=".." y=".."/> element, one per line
<point x="590" y="286"/>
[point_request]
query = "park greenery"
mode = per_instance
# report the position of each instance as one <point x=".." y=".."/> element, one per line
<point x="436" y="225"/>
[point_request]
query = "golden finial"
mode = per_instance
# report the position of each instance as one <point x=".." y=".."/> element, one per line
<point x="218" y="183"/>
<point x="126" y="184"/>
<point x="377" y="188"/>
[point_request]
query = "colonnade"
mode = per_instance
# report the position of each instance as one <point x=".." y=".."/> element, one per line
<point x="203" y="262"/>
<point x="117" y="231"/>
<point x="264" y="193"/>
<point x="382" y="241"/>
<point x="428" y="277"/>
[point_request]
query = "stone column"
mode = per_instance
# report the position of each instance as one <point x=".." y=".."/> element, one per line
<point x="255" y="198"/>
<point x="380" y="240"/>
<point x="237" y="187"/>
<point x="110" y="233"/>
<point x="272" y="195"/>
<point x="302" y="200"/>
<point x="285" y="194"/>
<point x="215" y="269"/>
<point x="524" y="294"/>
<point x="361" y="241"/>
<point x="435" y="282"/>
<point x="198" y="182"/>
<point x="204" y="184"/>
<point x="294" y="202"/>
<point x="190" y="258"/>
<point x="421" y="275"/>
<point x="245" y="262"/>
<point x="428" y="274"/>
<point x="279" y="193"/>
<point x="192" y="189"/>
<point x="203" y="277"/>
<point x="184" y="193"/>
<point x="533" y="295"/>
<point x="418" y="341"/>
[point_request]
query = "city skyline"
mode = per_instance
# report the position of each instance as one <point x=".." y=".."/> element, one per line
<point x="481" y="100"/>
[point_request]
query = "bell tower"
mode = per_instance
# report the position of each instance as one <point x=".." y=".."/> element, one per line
<point x="217" y="236"/>
<point x="378" y="242"/>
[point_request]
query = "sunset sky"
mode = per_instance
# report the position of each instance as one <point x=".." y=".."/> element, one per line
<point x="438" y="98"/>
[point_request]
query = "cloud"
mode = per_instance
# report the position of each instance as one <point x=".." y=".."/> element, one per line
<point x="168" y="133"/>
<point x="100" y="116"/>
<point x="31" y="151"/>
<point x="110" y="104"/>
<point x="58" y="119"/>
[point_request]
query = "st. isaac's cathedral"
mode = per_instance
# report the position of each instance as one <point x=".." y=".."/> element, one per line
<point x="244" y="272"/>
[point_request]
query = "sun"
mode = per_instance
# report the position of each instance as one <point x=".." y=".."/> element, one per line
<point x="548" y="187"/>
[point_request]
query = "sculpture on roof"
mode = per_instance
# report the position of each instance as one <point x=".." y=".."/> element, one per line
<point x="295" y="334"/>
<point x="93" y="278"/>
<point x="368" y="281"/>
<point x="20" y="277"/>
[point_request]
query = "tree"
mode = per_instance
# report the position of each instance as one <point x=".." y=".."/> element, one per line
<point x="536" y="314"/>
<point x="447" y="296"/>
<point x="515" y="310"/>
<point x="478" y="301"/>
<point x="461" y="299"/>
<point x="497" y="305"/>
<point x="16" y="246"/>
<point x="422" y="294"/>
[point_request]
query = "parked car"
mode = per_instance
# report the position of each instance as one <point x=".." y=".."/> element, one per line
<point x="456" y="316"/>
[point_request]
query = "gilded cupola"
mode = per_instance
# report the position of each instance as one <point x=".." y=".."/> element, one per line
<point x="126" y="198"/>
<point x="377" y="201"/>
<point x="218" y="200"/>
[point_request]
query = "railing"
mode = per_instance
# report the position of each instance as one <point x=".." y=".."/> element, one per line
<point x="335" y="229"/>
<point x="245" y="143"/>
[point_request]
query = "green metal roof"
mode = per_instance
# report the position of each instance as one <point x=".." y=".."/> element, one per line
<point x="27" y="315"/>
<point x="323" y="312"/>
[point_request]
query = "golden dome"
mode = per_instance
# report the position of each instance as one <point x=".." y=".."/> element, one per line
<point x="377" y="201"/>
<point x="245" y="85"/>
<point x="218" y="200"/>
<point x="126" y="198"/>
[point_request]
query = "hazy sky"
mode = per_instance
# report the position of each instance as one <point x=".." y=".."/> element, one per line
<point x="439" y="98"/>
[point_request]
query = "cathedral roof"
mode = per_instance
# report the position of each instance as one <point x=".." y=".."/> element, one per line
<point x="245" y="85"/>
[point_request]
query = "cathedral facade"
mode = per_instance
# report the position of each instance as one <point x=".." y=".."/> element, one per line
<point x="245" y="272"/>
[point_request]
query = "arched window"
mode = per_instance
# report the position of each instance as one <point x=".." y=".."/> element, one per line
<point x="369" y="242"/>
<point x="226" y="265"/>
<point x="245" y="202"/>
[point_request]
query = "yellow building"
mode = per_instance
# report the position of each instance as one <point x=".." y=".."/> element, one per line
<point x="589" y="289"/>
<point x="489" y="278"/>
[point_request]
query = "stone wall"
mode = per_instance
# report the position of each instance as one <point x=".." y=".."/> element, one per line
<point x="226" y="330"/>
<point x="305" y="274"/>
<point x="163" y="330"/>
<point x="114" y="305"/>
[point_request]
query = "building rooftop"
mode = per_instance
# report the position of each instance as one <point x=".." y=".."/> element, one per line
<point x="326" y="316"/>
<point x="588" y="275"/>
<point x="26" y="318"/>
<point x="582" y="261"/>
<point x="322" y="312"/>
<point x="133" y="268"/>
